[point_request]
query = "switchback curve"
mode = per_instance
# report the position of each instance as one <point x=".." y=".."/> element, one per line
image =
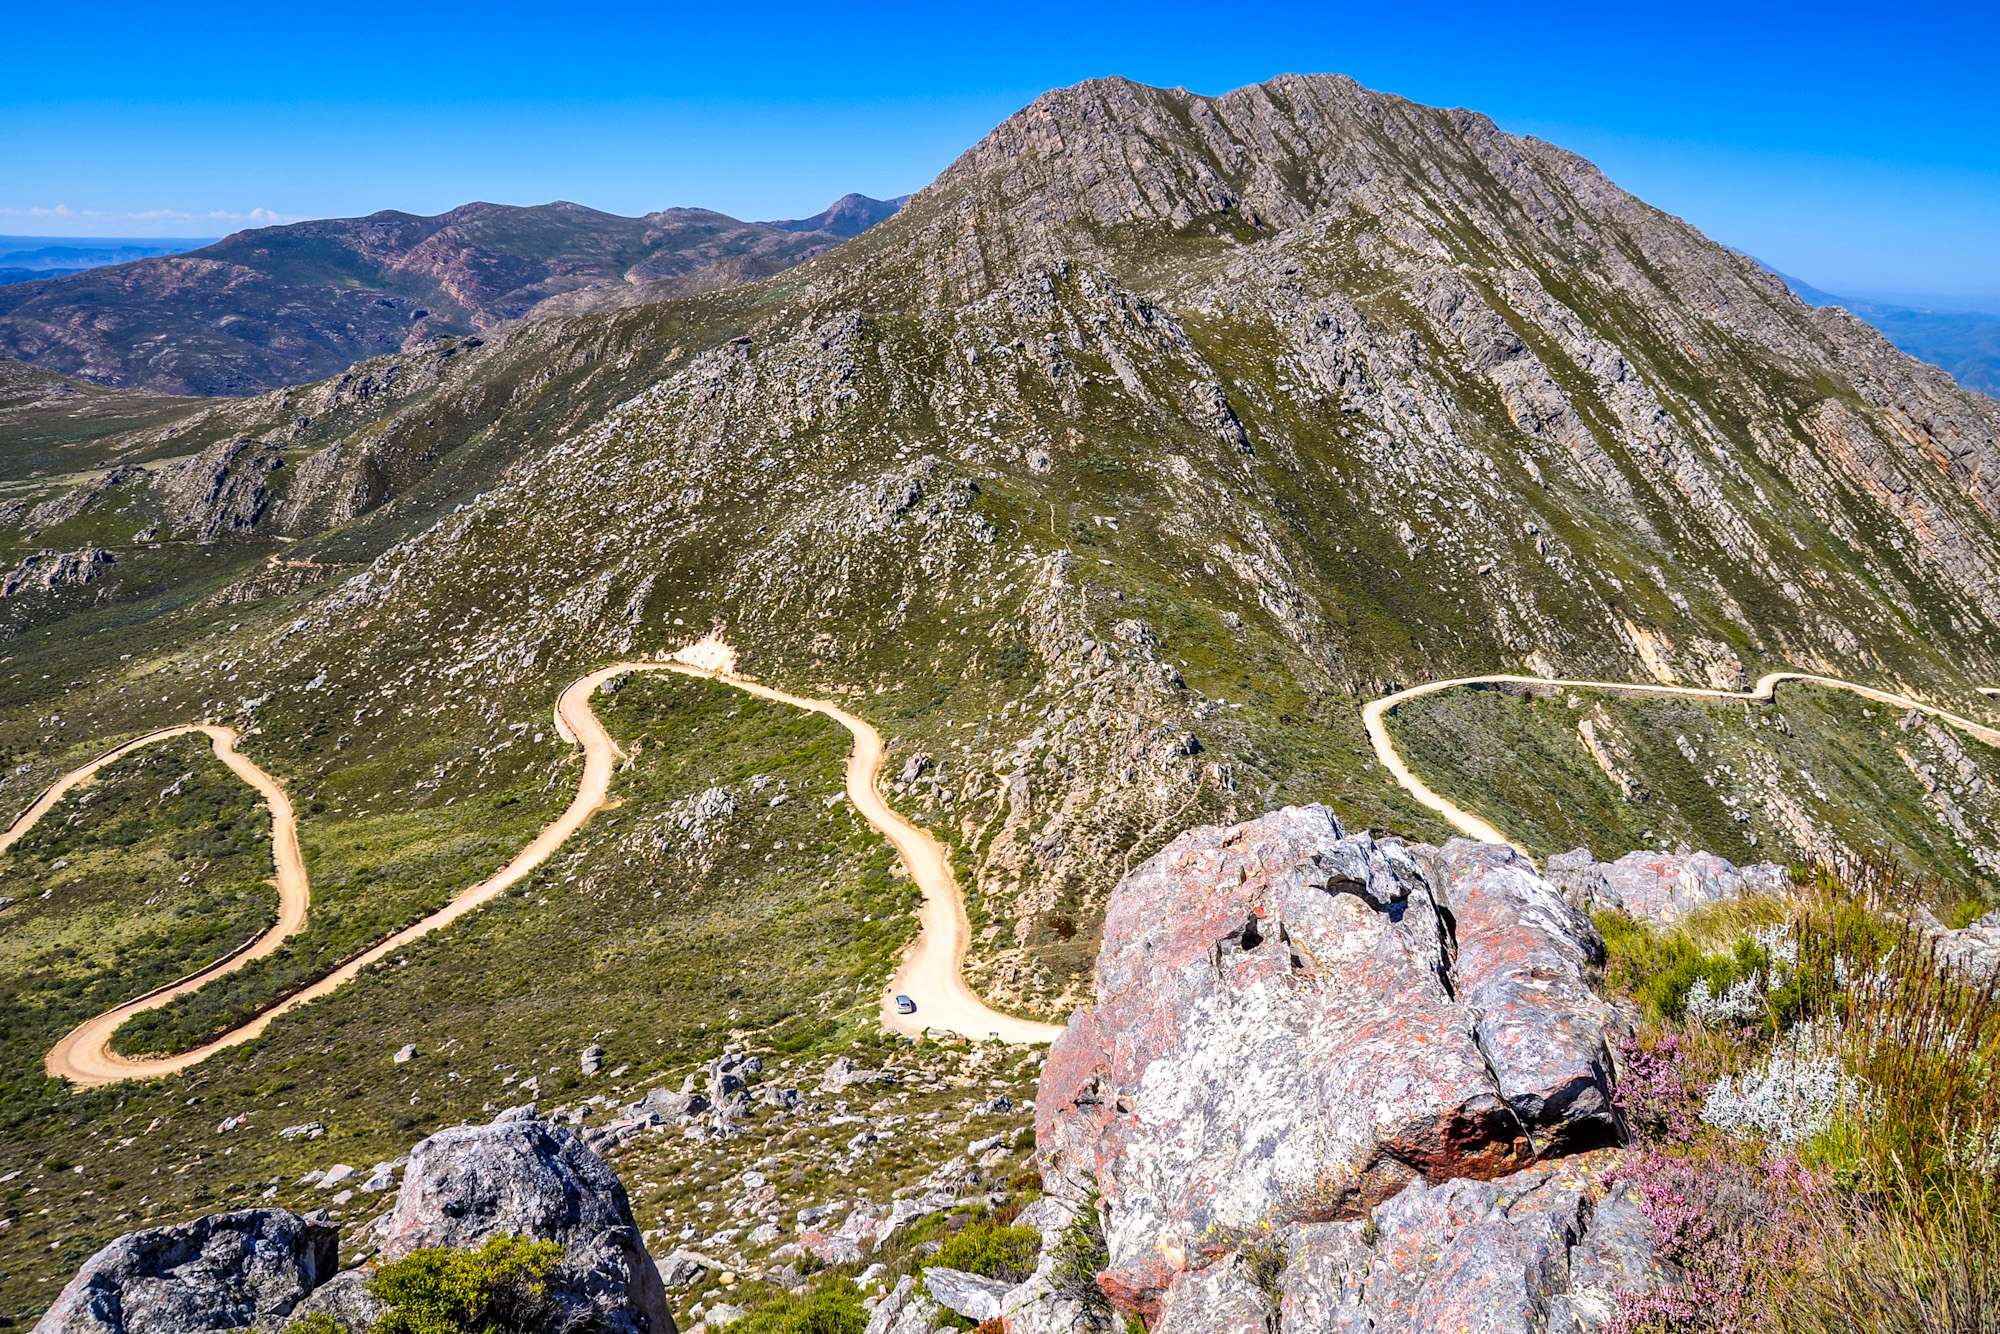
<point x="1374" y="713"/>
<point x="931" y="972"/>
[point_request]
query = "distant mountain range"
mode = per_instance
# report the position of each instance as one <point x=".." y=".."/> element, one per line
<point x="29" y="258"/>
<point x="285" y="305"/>
<point x="1964" y="342"/>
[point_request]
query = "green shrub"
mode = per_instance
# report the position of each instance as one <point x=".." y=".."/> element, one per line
<point x="1081" y="1254"/>
<point x="992" y="1250"/>
<point x="830" y="1308"/>
<point x="1658" y="968"/>
<point x="319" y="1322"/>
<point x="497" y="1289"/>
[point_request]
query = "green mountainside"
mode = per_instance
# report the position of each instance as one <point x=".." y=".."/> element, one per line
<point x="1108" y="479"/>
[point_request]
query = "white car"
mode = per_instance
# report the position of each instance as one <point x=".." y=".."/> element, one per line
<point x="904" y="1005"/>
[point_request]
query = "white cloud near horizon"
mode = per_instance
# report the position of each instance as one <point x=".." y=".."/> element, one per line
<point x="83" y="223"/>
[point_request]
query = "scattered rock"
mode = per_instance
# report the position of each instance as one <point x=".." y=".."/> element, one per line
<point x="222" y="1272"/>
<point x="683" y="1269"/>
<point x="844" y="1074"/>
<point x="336" y="1175"/>
<point x="405" y="1052"/>
<point x="592" y="1059"/>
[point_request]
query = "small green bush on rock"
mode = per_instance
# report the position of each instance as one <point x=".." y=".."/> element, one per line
<point x="500" y="1288"/>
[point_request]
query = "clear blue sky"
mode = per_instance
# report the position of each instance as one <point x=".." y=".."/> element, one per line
<point x="1858" y="148"/>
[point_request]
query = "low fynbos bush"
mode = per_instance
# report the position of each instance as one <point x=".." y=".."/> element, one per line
<point x="1735" y="1231"/>
<point x="830" y="1308"/>
<point x="1656" y="1090"/>
<point x="1793" y="1095"/>
<point x="991" y="1250"/>
<point x="498" y="1289"/>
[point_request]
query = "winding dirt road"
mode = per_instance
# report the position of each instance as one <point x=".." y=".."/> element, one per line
<point x="1374" y="714"/>
<point x="931" y="973"/>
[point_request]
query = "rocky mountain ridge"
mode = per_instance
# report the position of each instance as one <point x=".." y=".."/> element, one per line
<point x="284" y="305"/>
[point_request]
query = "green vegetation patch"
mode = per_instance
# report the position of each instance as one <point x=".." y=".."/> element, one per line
<point x="153" y="871"/>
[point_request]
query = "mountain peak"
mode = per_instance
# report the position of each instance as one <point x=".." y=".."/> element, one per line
<point x="849" y="215"/>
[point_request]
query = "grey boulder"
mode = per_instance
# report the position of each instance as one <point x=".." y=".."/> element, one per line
<point x="466" y="1184"/>
<point x="1659" y="887"/>
<point x="906" y="1310"/>
<point x="225" y="1271"/>
<point x="970" y="1295"/>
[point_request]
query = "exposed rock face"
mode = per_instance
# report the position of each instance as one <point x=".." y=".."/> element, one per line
<point x="222" y="490"/>
<point x="1542" y="1250"/>
<point x="50" y="570"/>
<point x="1523" y="956"/>
<point x="225" y="1271"/>
<point x="526" y="1178"/>
<point x="1288" y="1029"/>
<point x="1659" y="886"/>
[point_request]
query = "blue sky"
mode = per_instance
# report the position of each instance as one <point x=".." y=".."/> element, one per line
<point x="1856" y="148"/>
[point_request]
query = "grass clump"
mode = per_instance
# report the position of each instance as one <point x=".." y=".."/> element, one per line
<point x="501" y="1288"/>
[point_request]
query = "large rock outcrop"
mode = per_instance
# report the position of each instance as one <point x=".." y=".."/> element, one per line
<point x="1293" y="1025"/>
<point x="225" y="1271"/>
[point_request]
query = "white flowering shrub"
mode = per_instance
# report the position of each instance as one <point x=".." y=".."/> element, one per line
<point x="1791" y="1096"/>
<point x="1743" y="1001"/>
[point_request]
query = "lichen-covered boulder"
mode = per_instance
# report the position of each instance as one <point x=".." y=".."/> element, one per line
<point x="225" y="1271"/>
<point x="466" y="1184"/>
<point x="1225" y="1298"/>
<point x="1292" y="1025"/>
<point x="1543" y="1251"/>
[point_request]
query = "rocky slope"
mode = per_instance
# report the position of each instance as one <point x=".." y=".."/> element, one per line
<point x="285" y="305"/>
<point x="1151" y="407"/>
